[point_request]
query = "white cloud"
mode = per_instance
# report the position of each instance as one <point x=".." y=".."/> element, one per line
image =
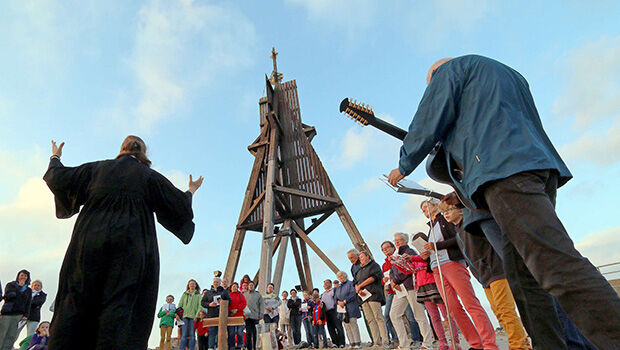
<point x="592" y="98"/>
<point x="350" y="15"/>
<point x="433" y="22"/>
<point x="179" y="47"/>
<point x="367" y="143"/>
<point x="593" y="83"/>
<point x="601" y="247"/>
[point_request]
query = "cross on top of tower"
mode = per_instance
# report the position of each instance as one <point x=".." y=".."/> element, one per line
<point x="276" y="77"/>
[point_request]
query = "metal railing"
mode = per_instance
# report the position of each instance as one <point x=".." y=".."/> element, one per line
<point x="608" y="265"/>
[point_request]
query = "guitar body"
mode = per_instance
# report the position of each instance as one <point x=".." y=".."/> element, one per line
<point x="438" y="170"/>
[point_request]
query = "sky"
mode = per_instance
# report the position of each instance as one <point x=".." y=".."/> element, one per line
<point x="187" y="75"/>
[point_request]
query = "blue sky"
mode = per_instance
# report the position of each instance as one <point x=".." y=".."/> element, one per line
<point x="187" y="75"/>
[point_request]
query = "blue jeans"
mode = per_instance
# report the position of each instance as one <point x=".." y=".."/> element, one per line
<point x="391" y="331"/>
<point x="574" y="339"/>
<point x="188" y="330"/>
<point x="413" y="325"/>
<point x="232" y="332"/>
<point x="212" y="339"/>
<point x="319" y="329"/>
<point x="307" y="322"/>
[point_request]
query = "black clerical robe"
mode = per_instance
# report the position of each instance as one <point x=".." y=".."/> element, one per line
<point x="110" y="274"/>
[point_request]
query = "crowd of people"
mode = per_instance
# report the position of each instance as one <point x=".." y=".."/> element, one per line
<point x="477" y="117"/>
<point x="23" y="300"/>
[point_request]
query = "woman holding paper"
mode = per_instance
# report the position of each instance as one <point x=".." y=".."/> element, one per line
<point x="370" y="290"/>
<point x="347" y="302"/>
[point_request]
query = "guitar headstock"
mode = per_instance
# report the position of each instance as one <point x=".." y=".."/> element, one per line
<point x="359" y="112"/>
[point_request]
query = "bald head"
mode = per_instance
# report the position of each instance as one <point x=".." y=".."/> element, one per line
<point x="435" y="66"/>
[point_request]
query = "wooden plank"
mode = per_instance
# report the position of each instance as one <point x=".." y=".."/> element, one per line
<point x="279" y="268"/>
<point x="237" y="243"/>
<point x="306" y="262"/>
<point x="232" y="321"/>
<point x="298" y="262"/>
<point x="319" y="221"/>
<point x="351" y="229"/>
<point x="314" y="247"/>
<point x="257" y="201"/>
<point x="306" y="194"/>
<point x="269" y="212"/>
<point x="222" y="330"/>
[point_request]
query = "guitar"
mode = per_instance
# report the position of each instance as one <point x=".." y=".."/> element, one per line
<point x="439" y="166"/>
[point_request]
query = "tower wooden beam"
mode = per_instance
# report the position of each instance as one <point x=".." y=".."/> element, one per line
<point x="314" y="247"/>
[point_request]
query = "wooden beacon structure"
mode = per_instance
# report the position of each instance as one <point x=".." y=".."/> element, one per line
<point x="287" y="185"/>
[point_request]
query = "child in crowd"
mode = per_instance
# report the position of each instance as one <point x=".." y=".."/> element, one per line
<point x="318" y="321"/>
<point x="202" y="330"/>
<point x="307" y="305"/>
<point x="167" y="315"/>
<point x="41" y="337"/>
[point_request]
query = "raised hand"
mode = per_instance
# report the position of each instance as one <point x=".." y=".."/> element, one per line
<point x="395" y="176"/>
<point x="57" y="150"/>
<point x="194" y="185"/>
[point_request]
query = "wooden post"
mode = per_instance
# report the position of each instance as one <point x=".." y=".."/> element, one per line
<point x="314" y="247"/>
<point x="279" y="269"/>
<point x="298" y="263"/>
<point x="306" y="263"/>
<point x="269" y="213"/>
<point x="352" y="231"/>
<point x="222" y="329"/>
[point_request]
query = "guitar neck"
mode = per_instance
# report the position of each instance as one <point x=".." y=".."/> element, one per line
<point x="389" y="128"/>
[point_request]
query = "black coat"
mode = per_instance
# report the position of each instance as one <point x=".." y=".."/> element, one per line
<point x="110" y="274"/>
<point x="16" y="302"/>
<point x="35" y="309"/>
<point x="214" y="311"/>
<point x="372" y="269"/>
<point x="448" y="231"/>
<point x="293" y="306"/>
<point x="400" y="277"/>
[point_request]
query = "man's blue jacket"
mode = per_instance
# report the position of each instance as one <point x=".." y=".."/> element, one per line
<point x="484" y="114"/>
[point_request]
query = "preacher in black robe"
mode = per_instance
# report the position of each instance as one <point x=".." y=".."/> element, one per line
<point x="110" y="275"/>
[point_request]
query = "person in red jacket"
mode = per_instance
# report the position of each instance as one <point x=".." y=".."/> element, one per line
<point x="203" y="331"/>
<point x="319" y="320"/>
<point x="235" y="308"/>
<point x="428" y="294"/>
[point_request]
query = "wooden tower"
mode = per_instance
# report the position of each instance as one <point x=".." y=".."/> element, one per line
<point x="288" y="184"/>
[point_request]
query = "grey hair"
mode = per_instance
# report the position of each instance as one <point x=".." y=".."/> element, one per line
<point x="432" y="201"/>
<point x="217" y="279"/>
<point x="403" y="235"/>
<point x="365" y="253"/>
<point x="342" y="273"/>
<point x="354" y="251"/>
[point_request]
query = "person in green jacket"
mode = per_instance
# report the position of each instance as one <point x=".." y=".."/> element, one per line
<point x="167" y="315"/>
<point x="190" y="303"/>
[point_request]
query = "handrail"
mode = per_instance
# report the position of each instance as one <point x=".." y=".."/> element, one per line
<point x="606" y="265"/>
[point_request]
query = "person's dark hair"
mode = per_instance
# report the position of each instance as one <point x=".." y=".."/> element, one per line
<point x="170" y="296"/>
<point x="197" y="286"/>
<point x="293" y="290"/>
<point x="315" y="289"/>
<point x="134" y="146"/>
<point x="390" y="243"/>
<point x="27" y="274"/>
<point x="246" y="278"/>
<point x="271" y="284"/>
<point x="234" y="284"/>
<point x="252" y="282"/>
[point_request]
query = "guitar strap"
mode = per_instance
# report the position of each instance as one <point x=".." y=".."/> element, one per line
<point x="443" y="289"/>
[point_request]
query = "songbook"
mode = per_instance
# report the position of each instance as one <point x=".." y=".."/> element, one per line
<point x="418" y="244"/>
<point x="411" y="187"/>
<point x="400" y="293"/>
<point x="364" y="294"/>
<point x="341" y="309"/>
